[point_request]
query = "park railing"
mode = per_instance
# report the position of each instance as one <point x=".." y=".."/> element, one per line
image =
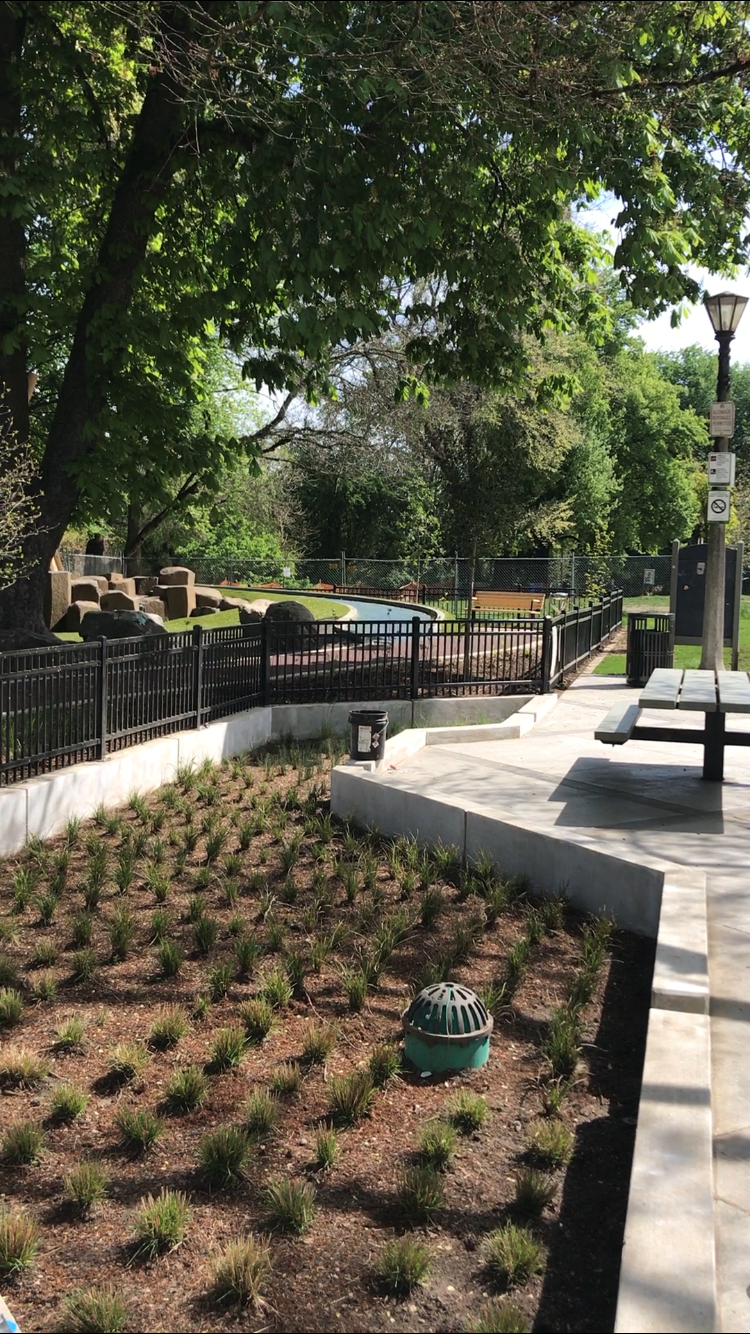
<point x="73" y="702"/>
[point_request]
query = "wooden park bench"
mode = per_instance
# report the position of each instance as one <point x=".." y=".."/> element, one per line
<point x="514" y="602"/>
<point x="714" y="694"/>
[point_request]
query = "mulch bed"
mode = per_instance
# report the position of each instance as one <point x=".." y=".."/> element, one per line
<point x="323" y="1280"/>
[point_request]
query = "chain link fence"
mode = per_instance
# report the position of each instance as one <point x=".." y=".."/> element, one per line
<point x="442" y="579"/>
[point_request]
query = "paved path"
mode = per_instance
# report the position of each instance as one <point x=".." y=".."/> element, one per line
<point x="645" y="797"/>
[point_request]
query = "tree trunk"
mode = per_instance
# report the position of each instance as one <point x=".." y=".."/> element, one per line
<point x="150" y="165"/>
<point x="14" y="412"/>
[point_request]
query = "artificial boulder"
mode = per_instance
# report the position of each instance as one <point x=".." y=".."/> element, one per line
<point x="179" y="599"/>
<point x="234" y="604"/>
<point x="85" y="590"/>
<point x="177" y="574"/>
<point x="254" y="611"/>
<point x="119" y="625"/>
<point x="122" y="585"/>
<point x="289" y="611"/>
<point x="204" y="611"/>
<point x="75" y="614"/>
<point x="117" y="601"/>
<point x="56" y="598"/>
<point x="152" y="607"/>
<point x="207" y="597"/>
<point x="145" y="584"/>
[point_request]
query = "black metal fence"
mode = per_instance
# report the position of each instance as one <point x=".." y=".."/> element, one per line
<point x="65" y="704"/>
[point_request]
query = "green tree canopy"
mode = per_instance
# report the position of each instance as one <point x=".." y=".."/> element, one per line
<point x="271" y="172"/>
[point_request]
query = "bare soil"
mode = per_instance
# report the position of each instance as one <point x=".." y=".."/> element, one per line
<point x="325" y="1279"/>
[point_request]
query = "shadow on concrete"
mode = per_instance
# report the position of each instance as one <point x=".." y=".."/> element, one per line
<point x="581" y="1279"/>
<point x="599" y="794"/>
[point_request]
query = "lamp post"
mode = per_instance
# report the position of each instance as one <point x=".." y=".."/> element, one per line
<point x="725" y="312"/>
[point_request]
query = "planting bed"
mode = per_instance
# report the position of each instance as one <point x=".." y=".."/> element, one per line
<point x="172" y="933"/>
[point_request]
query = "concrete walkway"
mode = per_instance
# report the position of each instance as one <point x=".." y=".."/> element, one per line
<point x="644" y="798"/>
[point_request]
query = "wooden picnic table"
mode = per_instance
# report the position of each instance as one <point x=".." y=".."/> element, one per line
<point x="714" y="694"/>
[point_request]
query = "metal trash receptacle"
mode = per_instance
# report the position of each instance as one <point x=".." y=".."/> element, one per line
<point x="367" y="732"/>
<point x="650" y="644"/>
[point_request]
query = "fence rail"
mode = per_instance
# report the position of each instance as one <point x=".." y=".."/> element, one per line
<point x="74" y="702"/>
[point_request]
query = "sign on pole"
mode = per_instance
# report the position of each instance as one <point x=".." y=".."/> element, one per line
<point x="719" y="503"/>
<point x="721" y="419"/>
<point x="721" y="469"/>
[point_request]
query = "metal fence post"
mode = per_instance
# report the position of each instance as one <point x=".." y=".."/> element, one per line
<point x="546" y="654"/>
<point x="265" y="661"/>
<point x="415" y="628"/>
<point x="198" y="663"/>
<point x="102" y="696"/>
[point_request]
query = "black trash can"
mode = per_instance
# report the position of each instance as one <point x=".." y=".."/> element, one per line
<point x="650" y="644"/>
<point x="367" y="729"/>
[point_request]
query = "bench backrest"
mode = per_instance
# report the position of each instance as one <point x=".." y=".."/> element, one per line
<point x="509" y="601"/>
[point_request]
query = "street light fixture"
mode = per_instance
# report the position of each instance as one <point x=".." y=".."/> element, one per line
<point x="725" y="311"/>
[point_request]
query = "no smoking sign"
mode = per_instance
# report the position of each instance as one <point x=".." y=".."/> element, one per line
<point x="719" y="503"/>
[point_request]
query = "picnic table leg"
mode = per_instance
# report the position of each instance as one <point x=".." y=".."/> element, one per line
<point x="713" y="747"/>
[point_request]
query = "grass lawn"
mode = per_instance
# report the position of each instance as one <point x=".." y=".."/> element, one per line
<point x="685" y="655"/>
<point x="204" y="1097"/>
<point x="322" y="608"/>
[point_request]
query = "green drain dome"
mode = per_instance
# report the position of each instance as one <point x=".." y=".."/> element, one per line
<point x="447" y="1013"/>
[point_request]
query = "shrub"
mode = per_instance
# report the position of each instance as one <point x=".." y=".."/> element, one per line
<point x="128" y="1060"/>
<point x="402" y="1265"/>
<point x="246" y="952"/>
<point x="70" y="1033"/>
<point x="22" y="1142"/>
<point x="241" y="1271"/>
<point x="318" y="1043"/>
<point x="550" y="1144"/>
<point x="84" y="965"/>
<point x="228" y="1048"/>
<point x="257" y="1017"/>
<point x="384" y="1064"/>
<point x="47" y="905"/>
<point x="96" y="1310"/>
<point x="437" y="1144"/>
<point x="220" y="980"/>
<point x="121" y="930"/>
<point x="552" y="912"/>
<point x="296" y="969"/>
<point x="276" y="989"/>
<point x="222" y="1155"/>
<point x="205" y="934"/>
<point x="433" y="904"/>
<point x="161" y="1222"/>
<point x="67" y="1102"/>
<point x="170" y="1024"/>
<point x="287" y="1079"/>
<point x="159" y="881"/>
<point x="501" y="1317"/>
<point x="11" y="1007"/>
<point x="261" y="1111"/>
<point x="579" y="990"/>
<point x="421" y="1194"/>
<point x="9" y="974"/>
<point x="171" y="958"/>
<point x="187" y="1089"/>
<point x="215" y="843"/>
<point x="560" y="1045"/>
<point x="327" y="1147"/>
<point x="467" y="1111"/>
<point x="19" y="1241"/>
<point x="534" y="1191"/>
<point x="355" y="982"/>
<point x="139" y="1128"/>
<point x="291" y="1204"/>
<point x="513" y="1254"/>
<point x="81" y="929"/>
<point x="85" y="1185"/>
<point x="351" y="1096"/>
<point x="21" y="1068"/>
<point x="45" y="954"/>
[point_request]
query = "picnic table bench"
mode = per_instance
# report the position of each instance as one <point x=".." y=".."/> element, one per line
<point x="528" y="602"/>
<point x="714" y="694"/>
